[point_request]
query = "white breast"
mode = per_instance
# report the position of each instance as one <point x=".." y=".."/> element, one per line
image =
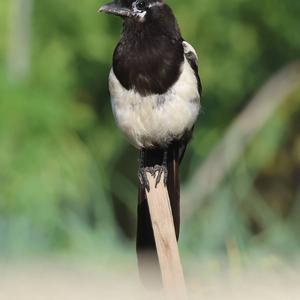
<point x="156" y="119"/>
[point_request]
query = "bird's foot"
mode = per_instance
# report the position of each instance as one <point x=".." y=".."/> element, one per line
<point x="142" y="174"/>
<point x="161" y="170"/>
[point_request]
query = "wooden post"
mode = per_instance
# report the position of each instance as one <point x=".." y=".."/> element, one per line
<point x="165" y="239"/>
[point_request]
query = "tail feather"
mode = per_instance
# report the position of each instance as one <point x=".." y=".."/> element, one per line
<point x="173" y="185"/>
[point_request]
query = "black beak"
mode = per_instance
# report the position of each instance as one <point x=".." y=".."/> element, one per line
<point x="115" y="9"/>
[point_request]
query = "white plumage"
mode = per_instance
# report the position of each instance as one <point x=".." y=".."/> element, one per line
<point x="157" y="119"/>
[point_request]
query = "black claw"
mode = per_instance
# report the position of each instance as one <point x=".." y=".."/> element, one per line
<point x="142" y="174"/>
<point x="161" y="170"/>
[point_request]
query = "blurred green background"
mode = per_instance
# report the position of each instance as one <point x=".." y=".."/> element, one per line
<point x="68" y="181"/>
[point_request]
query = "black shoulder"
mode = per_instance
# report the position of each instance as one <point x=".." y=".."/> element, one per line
<point x="192" y="58"/>
<point x="163" y="19"/>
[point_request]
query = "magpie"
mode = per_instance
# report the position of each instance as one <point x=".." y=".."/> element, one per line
<point x="155" y="94"/>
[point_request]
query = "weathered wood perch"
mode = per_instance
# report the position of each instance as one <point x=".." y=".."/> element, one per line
<point x="165" y="239"/>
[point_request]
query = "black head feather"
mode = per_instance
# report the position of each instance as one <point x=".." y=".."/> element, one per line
<point x="150" y="53"/>
<point x="128" y="3"/>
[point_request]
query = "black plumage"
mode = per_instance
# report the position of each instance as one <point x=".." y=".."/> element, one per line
<point x="149" y="54"/>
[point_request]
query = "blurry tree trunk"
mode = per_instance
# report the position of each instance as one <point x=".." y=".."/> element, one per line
<point x="19" y="39"/>
<point x="228" y="151"/>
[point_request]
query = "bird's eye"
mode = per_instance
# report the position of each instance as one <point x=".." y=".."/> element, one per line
<point x="141" y="5"/>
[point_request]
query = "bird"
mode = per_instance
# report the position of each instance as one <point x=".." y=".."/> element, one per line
<point x="155" y="91"/>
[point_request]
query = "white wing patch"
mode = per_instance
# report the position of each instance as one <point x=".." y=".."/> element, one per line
<point x="189" y="48"/>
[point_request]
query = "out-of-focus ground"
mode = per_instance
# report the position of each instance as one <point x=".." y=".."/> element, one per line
<point x="61" y="281"/>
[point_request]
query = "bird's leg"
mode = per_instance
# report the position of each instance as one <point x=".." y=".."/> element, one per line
<point x="142" y="171"/>
<point x="162" y="170"/>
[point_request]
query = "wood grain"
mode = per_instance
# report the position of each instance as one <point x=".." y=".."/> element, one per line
<point x="165" y="239"/>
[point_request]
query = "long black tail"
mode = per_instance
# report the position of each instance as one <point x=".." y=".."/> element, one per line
<point x="145" y="244"/>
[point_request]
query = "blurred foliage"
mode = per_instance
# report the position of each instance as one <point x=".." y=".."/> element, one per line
<point x="67" y="177"/>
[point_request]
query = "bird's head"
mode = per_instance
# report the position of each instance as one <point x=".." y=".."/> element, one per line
<point x="133" y="9"/>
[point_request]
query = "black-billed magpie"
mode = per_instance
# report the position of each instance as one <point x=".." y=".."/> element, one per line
<point x="155" y="94"/>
